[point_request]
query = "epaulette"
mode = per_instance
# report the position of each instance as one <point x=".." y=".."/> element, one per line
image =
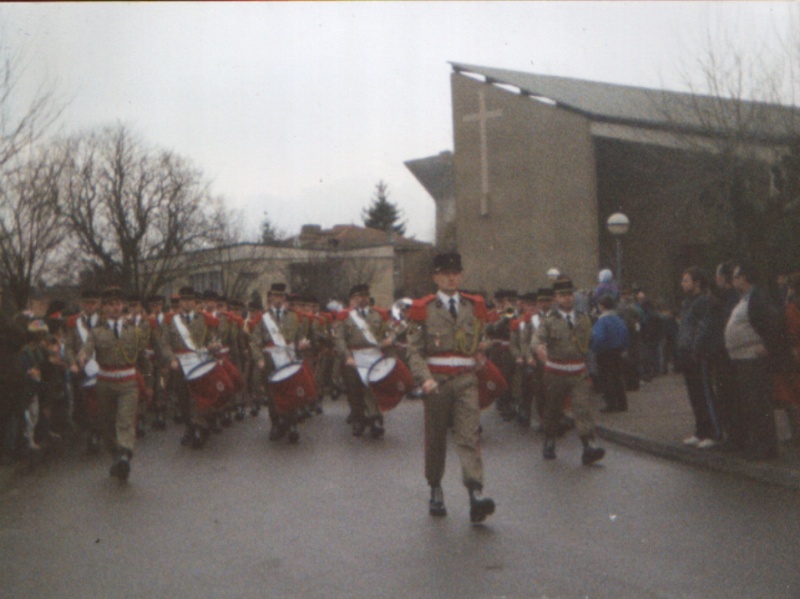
<point x="168" y="317"/>
<point x="480" y="306"/>
<point x="343" y="314"/>
<point x="73" y="321"/>
<point x="515" y="324"/>
<point x="418" y="310"/>
<point x="384" y="313"/>
<point x="211" y="321"/>
<point x="237" y="320"/>
<point x="254" y="318"/>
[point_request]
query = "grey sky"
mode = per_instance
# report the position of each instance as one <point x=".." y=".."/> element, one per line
<point x="298" y="109"/>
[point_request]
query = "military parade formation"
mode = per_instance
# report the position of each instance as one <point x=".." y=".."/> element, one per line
<point x="210" y="362"/>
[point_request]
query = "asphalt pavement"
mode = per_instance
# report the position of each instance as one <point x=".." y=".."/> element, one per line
<point x="659" y="417"/>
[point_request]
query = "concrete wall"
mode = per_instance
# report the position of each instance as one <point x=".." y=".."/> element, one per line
<point x="543" y="207"/>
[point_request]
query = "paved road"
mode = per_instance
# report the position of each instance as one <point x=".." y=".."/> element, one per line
<point x="342" y="517"/>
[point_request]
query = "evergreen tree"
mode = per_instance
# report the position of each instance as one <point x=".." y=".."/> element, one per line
<point x="270" y="235"/>
<point x="383" y="214"/>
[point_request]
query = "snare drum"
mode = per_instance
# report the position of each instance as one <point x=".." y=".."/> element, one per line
<point x="491" y="384"/>
<point x="390" y="380"/>
<point x="210" y="389"/>
<point x="292" y="387"/>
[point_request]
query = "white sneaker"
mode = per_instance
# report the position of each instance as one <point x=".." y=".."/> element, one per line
<point x="692" y="441"/>
<point x="706" y="444"/>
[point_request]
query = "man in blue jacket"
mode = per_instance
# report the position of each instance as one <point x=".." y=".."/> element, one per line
<point x="609" y="340"/>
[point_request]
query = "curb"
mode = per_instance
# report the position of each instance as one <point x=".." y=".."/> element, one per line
<point x="760" y="471"/>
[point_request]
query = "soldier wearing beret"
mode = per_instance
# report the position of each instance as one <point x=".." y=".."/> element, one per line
<point x="117" y="345"/>
<point x="561" y="343"/>
<point x="444" y="343"/>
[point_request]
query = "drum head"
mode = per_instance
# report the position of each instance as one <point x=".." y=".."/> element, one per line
<point x="200" y="370"/>
<point x="381" y="369"/>
<point x="285" y="372"/>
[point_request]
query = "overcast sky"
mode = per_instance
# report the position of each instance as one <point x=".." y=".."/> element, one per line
<point x="299" y="109"/>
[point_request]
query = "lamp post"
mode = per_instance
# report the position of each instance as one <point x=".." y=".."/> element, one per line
<point x="618" y="225"/>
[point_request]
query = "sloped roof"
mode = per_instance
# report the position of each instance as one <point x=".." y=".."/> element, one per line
<point x="659" y="109"/>
<point x="352" y="236"/>
<point x="435" y="173"/>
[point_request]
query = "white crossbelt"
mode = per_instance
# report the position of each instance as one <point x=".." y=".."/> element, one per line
<point x="453" y="361"/>
<point x="116" y="374"/>
<point x="560" y="366"/>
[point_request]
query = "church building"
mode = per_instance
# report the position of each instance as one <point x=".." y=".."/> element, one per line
<point x="540" y="163"/>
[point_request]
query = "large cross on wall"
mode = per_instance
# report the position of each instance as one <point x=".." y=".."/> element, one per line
<point x="481" y="117"/>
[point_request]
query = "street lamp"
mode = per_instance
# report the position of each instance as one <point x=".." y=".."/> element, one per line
<point x="618" y="225"/>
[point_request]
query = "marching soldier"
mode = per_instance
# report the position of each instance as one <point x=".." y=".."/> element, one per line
<point x="84" y="379"/>
<point x="117" y="345"/>
<point x="498" y="332"/>
<point x="360" y="335"/>
<point x="134" y="313"/>
<point x="521" y="332"/>
<point x="275" y="338"/>
<point x="187" y="333"/>
<point x="561" y="343"/>
<point x="444" y="344"/>
<point x="155" y="304"/>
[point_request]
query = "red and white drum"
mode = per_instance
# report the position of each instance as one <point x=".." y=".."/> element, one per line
<point x="209" y="385"/>
<point x="491" y="384"/>
<point x="292" y="387"/>
<point x="390" y="380"/>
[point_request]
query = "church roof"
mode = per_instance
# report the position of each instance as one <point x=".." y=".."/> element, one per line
<point x="607" y="102"/>
<point x="435" y="173"/>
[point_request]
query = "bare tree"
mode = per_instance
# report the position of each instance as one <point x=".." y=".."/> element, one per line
<point x="734" y="123"/>
<point x="31" y="227"/>
<point x="133" y="211"/>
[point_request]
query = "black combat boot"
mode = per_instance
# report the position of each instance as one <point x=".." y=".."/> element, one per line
<point x="549" y="449"/>
<point x="376" y="429"/>
<point x="480" y="507"/>
<point x="436" y="504"/>
<point x="121" y="468"/>
<point x="591" y="453"/>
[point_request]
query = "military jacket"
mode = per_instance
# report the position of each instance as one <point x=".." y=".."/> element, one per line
<point x="433" y="331"/>
<point x="112" y="352"/>
<point x="564" y="344"/>
<point x="348" y="336"/>
<point x="289" y="325"/>
<point x="202" y="328"/>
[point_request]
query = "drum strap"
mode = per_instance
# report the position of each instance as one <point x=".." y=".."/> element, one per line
<point x="274" y="329"/>
<point x="90" y="368"/>
<point x="363" y="327"/>
<point x="184" y="332"/>
<point x="281" y="353"/>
